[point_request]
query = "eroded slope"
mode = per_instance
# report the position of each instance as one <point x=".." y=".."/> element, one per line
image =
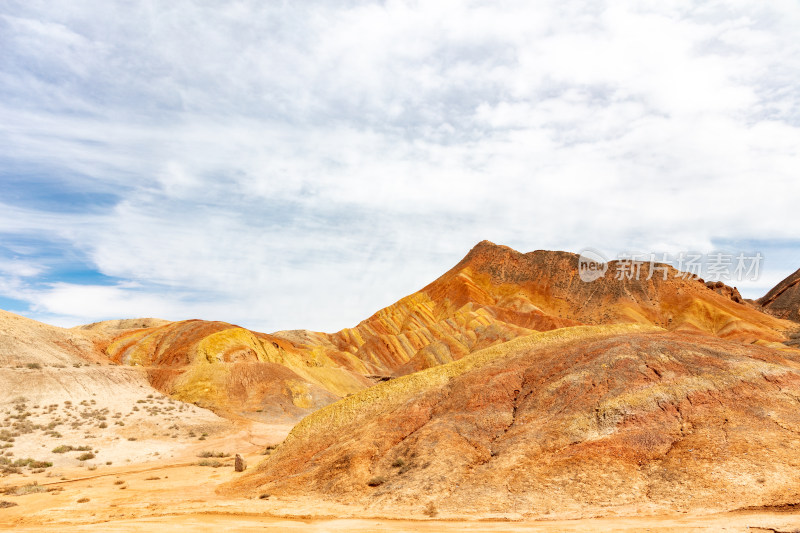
<point x="573" y="422"/>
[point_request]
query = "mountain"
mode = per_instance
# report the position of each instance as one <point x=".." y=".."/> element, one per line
<point x="237" y="371"/>
<point x="493" y="295"/>
<point x="623" y="394"/>
<point x="508" y="385"/>
<point x="784" y="299"/>
<point x="496" y="294"/>
<point x="576" y="422"/>
<point x="550" y="282"/>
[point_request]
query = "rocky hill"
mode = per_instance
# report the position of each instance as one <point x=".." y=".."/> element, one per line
<point x="490" y="297"/>
<point x="589" y="420"/>
<point x="784" y="299"/>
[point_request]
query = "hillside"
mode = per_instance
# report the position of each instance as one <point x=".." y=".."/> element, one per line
<point x="570" y="423"/>
<point x="58" y="389"/>
<point x="237" y="371"/>
<point x="784" y="299"/>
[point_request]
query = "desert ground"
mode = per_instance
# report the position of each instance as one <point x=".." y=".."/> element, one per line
<point x="175" y="493"/>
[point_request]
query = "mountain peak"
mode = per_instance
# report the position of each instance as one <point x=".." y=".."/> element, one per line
<point x="784" y="299"/>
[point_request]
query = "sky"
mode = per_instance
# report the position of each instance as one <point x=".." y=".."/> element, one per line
<point x="286" y="165"/>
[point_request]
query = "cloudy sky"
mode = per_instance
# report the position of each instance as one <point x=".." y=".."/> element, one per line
<point x="300" y="165"/>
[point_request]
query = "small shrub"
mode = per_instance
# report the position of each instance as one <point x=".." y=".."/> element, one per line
<point x="4" y="504"/>
<point x="213" y="454"/>
<point x="34" y="366"/>
<point x="32" y="463"/>
<point x="119" y="482"/>
<point x="430" y="510"/>
<point x="376" y="481"/>
<point x="264" y="496"/>
<point x="62" y="449"/>
<point x="86" y="456"/>
<point x="206" y="462"/>
<point x="398" y="463"/>
<point x="31" y="488"/>
<point x="83" y="500"/>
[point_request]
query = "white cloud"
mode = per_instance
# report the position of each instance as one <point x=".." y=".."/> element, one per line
<point x="20" y="268"/>
<point x="300" y="166"/>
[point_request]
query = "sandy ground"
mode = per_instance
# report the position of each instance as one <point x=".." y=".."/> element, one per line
<point x="176" y="494"/>
<point x="134" y="426"/>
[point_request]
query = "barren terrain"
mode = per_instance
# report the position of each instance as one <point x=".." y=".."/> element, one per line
<point x="507" y="395"/>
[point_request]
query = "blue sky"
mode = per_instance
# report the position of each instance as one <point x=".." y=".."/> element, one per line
<point x="300" y="165"/>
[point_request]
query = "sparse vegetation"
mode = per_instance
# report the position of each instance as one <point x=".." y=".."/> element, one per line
<point x="376" y="481"/>
<point x="86" y="456"/>
<point x="64" y="448"/>
<point x="398" y="463"/>
<point x="206" y="462"/>
<point x="213" y="454"/>
<point x="32" y="463"/>
<point x="83" y="500"/>
<point x="430" y="510"/>
<point x="269" y="449"/>
<point x="34" y="366"/>
<point x="31" y="488"/>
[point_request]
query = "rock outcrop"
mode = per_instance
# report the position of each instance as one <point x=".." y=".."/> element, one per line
<point x="239" y="464"/>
